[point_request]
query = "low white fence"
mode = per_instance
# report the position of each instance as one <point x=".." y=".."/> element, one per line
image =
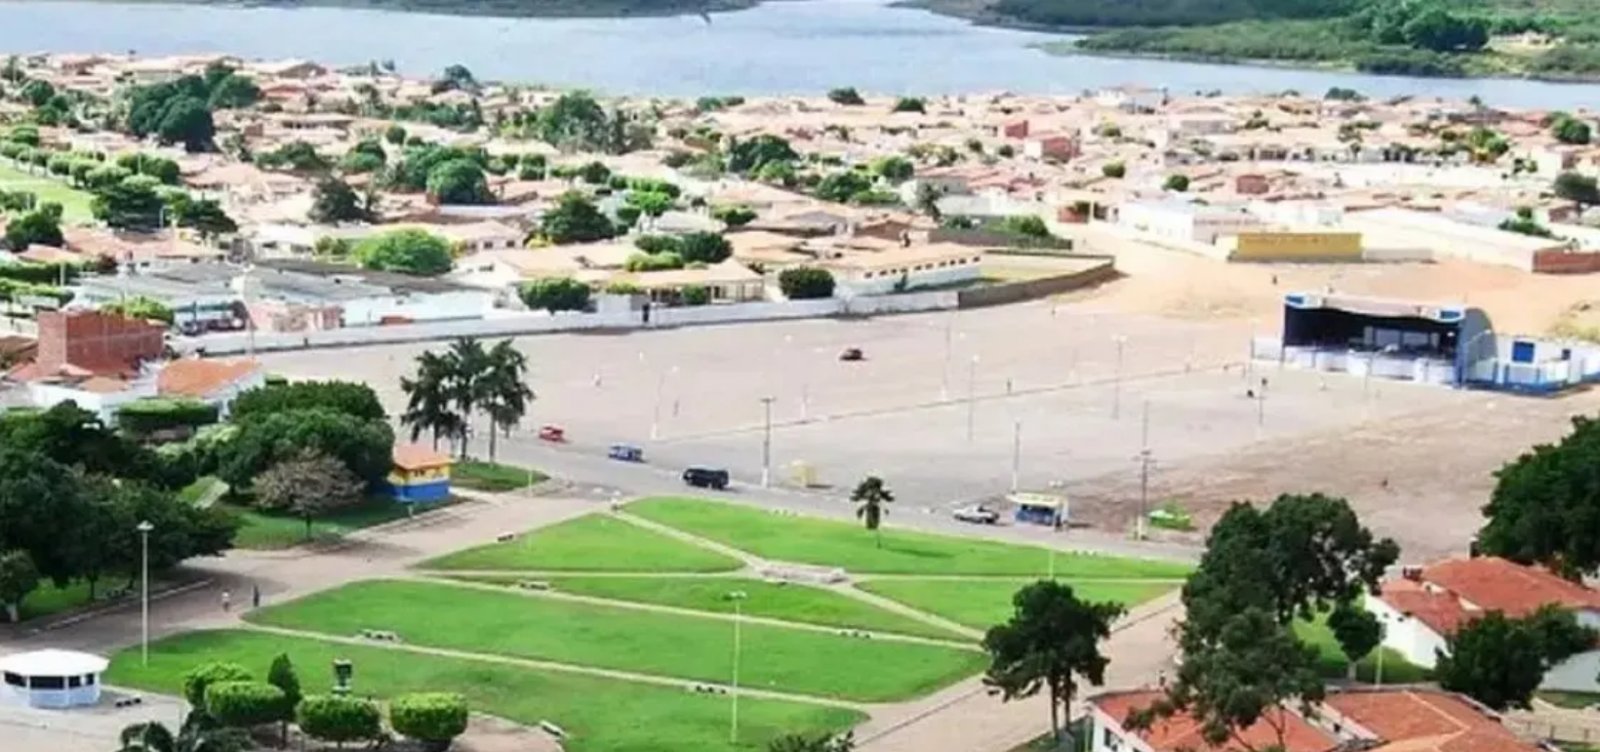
<point x="541" y="323"/>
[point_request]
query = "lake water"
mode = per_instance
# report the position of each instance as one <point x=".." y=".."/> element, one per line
<point x="800" y="46"/>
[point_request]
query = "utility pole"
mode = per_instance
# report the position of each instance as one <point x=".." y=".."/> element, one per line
<point x="1016" y="455"/>
<point x="766" y="442"/>
<point x="944" y="385"/>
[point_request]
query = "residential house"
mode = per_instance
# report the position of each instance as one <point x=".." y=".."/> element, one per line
<point x="1425" y="606"/>
<point x="1405" y="719"/>
<point x="215" y="382"/>
<point x="891" y="267"/>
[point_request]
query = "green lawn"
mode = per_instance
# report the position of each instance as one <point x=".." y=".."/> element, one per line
<point x="204" y="492"/>
<point x="830" y="543"/>
<point x="691" y="647"/>
<point x="599" y="715"/>
<point x="981" y="604"/>
<point x="1332" y="663"/>
<point x="1570" y="700"/>
<point x="270" y="530"/>
<point x="49" y="600"/>
<point x="595" y="543"/>
<point x="492" y="476"/>
<point x="789" y="602"/>
<point x="74" y="203"/>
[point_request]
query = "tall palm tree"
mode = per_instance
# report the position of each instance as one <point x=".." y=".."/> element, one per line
<point x="505" y="395"/>
<point x="871" y="496"/>
<point x="468" y="362"/>
<point x="428" y="405"/>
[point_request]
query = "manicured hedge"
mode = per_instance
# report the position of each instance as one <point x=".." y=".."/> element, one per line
<point x="204" y="675"/>
<point x="156" y="414"/>
<point x="433" y="718"/>
<point x="243" y="704"/>
<point x="333" y="718"/>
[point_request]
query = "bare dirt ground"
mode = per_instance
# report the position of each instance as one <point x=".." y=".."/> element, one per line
<point x="948" y="406"/>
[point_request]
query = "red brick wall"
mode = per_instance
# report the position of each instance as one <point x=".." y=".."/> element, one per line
<point x="93" y="338"/>
<point x="1563" y="262"/>
<point x="1015" y="129"/>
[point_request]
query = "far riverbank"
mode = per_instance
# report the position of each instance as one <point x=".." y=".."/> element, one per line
<point x="487" y="8"/>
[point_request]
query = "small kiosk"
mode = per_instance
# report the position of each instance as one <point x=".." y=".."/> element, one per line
<point x="52" y="678"/>
<point x="1040" y="509"/>
<point x="419" y="475"/>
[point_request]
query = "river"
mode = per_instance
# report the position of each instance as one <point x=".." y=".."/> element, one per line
<point x="796" y="46"/>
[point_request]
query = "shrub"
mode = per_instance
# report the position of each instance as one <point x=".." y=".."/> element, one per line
<point x="910" y="104"/>
<point x="246" y="703"/>
<point x="156" y="414"/>
<point x="206" y="674"/>
<point x="433" y="718"/>
<point x="653" y="244"/>
<point x="696" y="295"/>
<point x="704" y="247"/>
<point x="556" y="294"/>
<point x="845" y="96"/>
<point x="348" y="397"/>
<point x="734" y="216"/>
<point x="334" y="718"/>
<point x="805" y="282"/>
<point x="1116" y="170"/>
<point x="653" y="262"/>
<point x="1176" y="183"/>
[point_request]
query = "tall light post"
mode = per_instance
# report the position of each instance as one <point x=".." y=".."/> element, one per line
<point x="1116" y="387"/>
<point x="144" y="529"/>
<point x="737" y="597"/>
<point x="655" y="415"/>
<point x="1016" y="455"/>
<point x="972" y="395"/>
<point x="949" y="333"/>
<point x="766" y="441"/>
<point x="1145" y="460"/>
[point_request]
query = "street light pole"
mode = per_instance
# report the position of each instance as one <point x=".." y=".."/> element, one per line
<point x="766" y="441"/>
<point x="1145" y="461"/>
<point x="737" y="597"/>
<point x="1016" y="455"/>
<point x="972" y="395"/>
<point x="1116" y="389"/>
<point x="144" y="529"/>
<point x="944" y="384"/>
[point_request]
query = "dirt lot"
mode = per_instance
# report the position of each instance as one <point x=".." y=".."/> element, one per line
<point x="946" y="405"/>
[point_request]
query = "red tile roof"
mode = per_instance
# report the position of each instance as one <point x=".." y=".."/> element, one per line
<point x="1495" y="584"/>
<point x="418" y="457"/>
<point x="1184" y="733"/>
<point x="1425" y="721"/>
<point x="1442" y="612"/>
<point x="202" y="378"/>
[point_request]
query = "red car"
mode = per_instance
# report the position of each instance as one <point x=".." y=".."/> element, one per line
<point x="552" y="433"/>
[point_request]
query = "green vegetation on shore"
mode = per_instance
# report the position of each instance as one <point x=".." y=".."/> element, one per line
<point x="513" y="8"/>
<point x="1411" y="37"/>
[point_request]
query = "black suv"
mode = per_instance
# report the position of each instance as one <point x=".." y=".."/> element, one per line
<point x="705" y="477"/>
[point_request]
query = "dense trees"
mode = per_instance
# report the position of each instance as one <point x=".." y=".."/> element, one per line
<point x="1263" y="569"/>
<point x="1568" y="129"/>
<point x="333" y="201"/>
<point x="1051" y="641"/>
<point x="752" y="155"/>
<point x="575" y="219"/>
<point x="1573" y="186"/>
<point x="307" y="486"/>
<point x="351" y="398"/>
<point x="362" y="445"/>
<point x="847" y="96"/>
<point x="1163" y="12"/>
<point x="41" y="225"/>
<point x="459" y="181"/>
<point x="1543" y="506"/>
<point x="409" y="251"/>
<point x="129" y="204"/>
<point x="1500" y="661"/>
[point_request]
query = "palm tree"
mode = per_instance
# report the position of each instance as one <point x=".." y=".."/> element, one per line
<point x="870" y="496"/>
<point x="505" y="396"/>
<point x="464" y="383"/>
<point x="428" y="401"/>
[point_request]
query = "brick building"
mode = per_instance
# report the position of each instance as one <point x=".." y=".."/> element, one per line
<point x="83" y="344"/>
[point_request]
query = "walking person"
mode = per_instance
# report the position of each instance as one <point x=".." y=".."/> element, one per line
<point x="255" y="596"/>
<point x="227" y="600"/>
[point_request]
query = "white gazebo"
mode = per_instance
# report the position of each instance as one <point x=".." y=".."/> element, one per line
<point x="51" y="678"/>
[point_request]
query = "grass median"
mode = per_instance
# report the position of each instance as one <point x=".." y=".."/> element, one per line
<point x="981" y="604"/>
<point x="624" y="639"/>
<point x="592" y="543"/>
<point x="822" y="542"/>
<point x="598" y="714"/>
<point x="493" y="477"/>
<point x="773" y="600"/>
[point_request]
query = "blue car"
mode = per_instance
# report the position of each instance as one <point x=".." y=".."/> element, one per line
<point x="626" y="453"/>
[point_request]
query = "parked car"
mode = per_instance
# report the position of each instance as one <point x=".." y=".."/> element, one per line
<point x="706" y="477"/>
<point x="851" y="354"/>
<point x="978" y="514"/>
<point x="626" y="453"/>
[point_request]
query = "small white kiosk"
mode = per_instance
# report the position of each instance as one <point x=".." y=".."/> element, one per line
<point x="51" y="678"/>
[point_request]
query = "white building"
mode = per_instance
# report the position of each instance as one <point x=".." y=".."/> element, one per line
<point x="1182" y="221"/>
<point x="1423" y="608"/>
<point x="52" y="678"/>
<point x="903" y="268"/>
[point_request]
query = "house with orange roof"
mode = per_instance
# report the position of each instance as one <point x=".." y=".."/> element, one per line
<point x="214" y="382"/>
<point x="1425" y="606"/>
<point x="1402" y="719"/>
<point x="420" y="474"/>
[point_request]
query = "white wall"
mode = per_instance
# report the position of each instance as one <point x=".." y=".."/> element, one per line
<point x="883" y="284"/>
<point x="457" y="304"/>
<point x="1406" y="635"/>
<point x="1575" y="674"/>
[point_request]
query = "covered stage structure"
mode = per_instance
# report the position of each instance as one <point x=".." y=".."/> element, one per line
<point x="1392" y="339"/>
